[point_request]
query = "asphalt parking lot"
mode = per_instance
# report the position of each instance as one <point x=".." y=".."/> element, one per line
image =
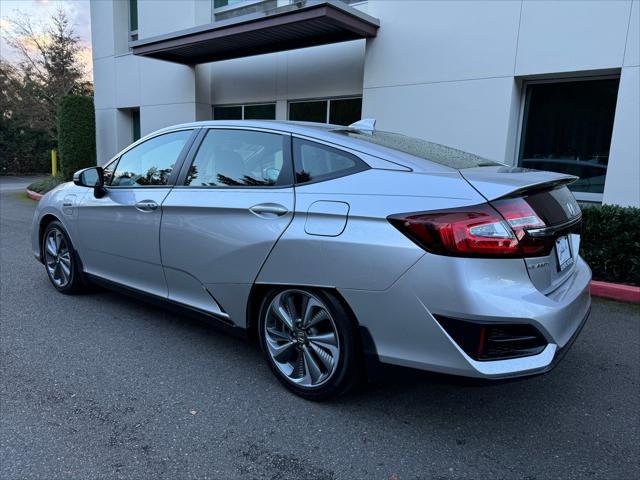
<point x="103" y="386"/>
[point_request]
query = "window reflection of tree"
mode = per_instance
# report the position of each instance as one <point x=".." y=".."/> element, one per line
<point x="245" y="181"/>
<point x="153" y="176"/>
<point x="303" y="177"/>
<point x="192" y="175"/>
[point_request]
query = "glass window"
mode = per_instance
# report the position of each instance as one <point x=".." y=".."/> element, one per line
<point x="567" y="128"/>
<point x="240" y="158"/>
<point x="108" y="171"/>
<point x="315" y="162"/>
<point x="315" y="111"/>
<point x="133" y="15"/>
<point x="433" y="152"/>
<point x="260" y="112"/>
<point x="227" y="113"/>
<point x="151" y="162"/>
<point x="345" y="111"/>
<point x="135" y="124"/>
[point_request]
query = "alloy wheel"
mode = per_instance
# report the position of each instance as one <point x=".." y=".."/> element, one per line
<point x="57" y="257"/>
<point x="301" y="338"/>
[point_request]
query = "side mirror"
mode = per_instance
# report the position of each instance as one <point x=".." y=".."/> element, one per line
<point x="92" y="177"/>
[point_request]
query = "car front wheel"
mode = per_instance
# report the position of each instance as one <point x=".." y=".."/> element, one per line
<point x="310" y="342"/>
<point x="60" y="259"/>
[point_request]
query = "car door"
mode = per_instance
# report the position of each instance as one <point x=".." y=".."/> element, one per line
<point x="230" y="205"/>
<point x="119" y="232"/>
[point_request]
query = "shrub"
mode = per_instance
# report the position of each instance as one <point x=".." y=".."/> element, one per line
<point x="76" y="134"/>
<point x="23" y="150"/>
<point x="43" y="185"/>
<point x="611" y="243"/>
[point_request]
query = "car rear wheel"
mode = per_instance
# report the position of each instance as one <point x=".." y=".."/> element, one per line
<point x="310" y="342"/>
<point x="60" y="259"/>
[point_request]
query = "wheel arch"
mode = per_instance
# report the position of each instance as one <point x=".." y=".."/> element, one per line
<point x="42" y="226"/>
<point x="259" y="290"/>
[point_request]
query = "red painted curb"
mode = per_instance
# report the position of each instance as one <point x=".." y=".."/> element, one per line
<point x="34" y="195"/>
<point x="615" y="291"/>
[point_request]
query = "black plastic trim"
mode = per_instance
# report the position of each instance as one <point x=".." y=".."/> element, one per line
<point x="216" y="320"/>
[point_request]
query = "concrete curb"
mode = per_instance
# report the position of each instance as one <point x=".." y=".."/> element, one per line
<point x="615" y="291"/>
<point x="34" y="195"/>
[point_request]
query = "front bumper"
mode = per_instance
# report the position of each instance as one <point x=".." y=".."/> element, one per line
<point x="401" y="329"/>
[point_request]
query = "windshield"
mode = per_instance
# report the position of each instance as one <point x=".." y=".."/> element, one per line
<point x="434" y="152"/>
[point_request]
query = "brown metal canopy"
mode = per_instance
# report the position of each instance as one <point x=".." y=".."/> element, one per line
<point x="303" y="24"/>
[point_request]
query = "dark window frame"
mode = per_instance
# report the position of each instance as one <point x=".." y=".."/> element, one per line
<point x="522" y="122"/>
<point x="287" y="181"/>
<point x="176" y="169"/>
<point x="242" y="107"/>
<point x="296" y="145"/>
<point x="327" y="100"/>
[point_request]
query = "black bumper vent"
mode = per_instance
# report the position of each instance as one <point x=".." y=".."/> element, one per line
<point x="492" y="341"/>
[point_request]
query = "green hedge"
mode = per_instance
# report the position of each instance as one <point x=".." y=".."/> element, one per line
<point x="76" y="134"/>
<point x="23" y="150"/>
<point x="610" y="243"/>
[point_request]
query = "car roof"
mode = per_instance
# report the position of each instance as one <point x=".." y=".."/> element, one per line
<point x="329" y="133"/>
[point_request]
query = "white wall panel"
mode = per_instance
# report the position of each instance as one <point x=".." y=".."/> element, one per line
<point x="164" y="82"/>
<point x="632" y="51"/>
<point x="105" y="134"/>
<point x="622" y="185"/>
<point x="154" y="117"/>
<point x="251" y="79"/>
<point x="160" y="17"/>
<point x="104" y="82"/>
<point x="325" y="71"/>
<point x="421" y="42"/>
<point x="472" y="115"/>
<point x="566" y="36"/>
<point x="127" y="76"/>
<point x="102" y="29"/>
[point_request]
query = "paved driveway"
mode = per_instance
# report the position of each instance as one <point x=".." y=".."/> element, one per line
<point x="102" y="386"/>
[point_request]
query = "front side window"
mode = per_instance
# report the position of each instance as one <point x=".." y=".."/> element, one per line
<point x="151" y="162"/>
<point x="567" y="126"/>
<point x="315" y="162"/>
<point x="240" y="158"/>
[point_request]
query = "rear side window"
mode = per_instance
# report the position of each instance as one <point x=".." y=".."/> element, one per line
<point x="315" y="162"/>
<point x="241" y="158"/>
<point x="151" y="162"/>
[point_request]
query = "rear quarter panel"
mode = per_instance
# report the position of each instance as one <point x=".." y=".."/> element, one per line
<point x="369" y="253"/>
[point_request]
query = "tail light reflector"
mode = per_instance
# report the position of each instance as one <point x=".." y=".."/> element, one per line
<point x="486" y="230"/>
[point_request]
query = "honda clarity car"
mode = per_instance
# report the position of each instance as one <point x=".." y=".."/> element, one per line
<point x="339" y="249"/>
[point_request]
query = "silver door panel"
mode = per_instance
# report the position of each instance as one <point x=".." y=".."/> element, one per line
<point x="220" y="236"/>
<point x="119" y="241"/>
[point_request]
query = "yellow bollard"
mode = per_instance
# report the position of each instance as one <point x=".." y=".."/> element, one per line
<point x="54" y="162"/>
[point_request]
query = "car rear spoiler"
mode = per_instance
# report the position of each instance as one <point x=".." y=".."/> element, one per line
<point x="501" y="181"/>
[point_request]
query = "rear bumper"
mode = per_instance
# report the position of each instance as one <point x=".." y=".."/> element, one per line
<point x="402" y="330"/>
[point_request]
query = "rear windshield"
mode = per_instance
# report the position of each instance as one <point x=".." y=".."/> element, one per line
<point x="434" y="152"/>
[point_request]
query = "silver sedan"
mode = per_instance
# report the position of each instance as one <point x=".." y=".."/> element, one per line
<point x="337" y="248"/>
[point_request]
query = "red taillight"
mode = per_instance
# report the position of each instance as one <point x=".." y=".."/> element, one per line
<point x="496" y="230"/>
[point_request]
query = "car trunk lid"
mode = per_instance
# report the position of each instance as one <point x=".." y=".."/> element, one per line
<point x="555" y="205"/>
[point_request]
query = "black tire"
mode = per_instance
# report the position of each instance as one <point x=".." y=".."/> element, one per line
<point x="75" y="278"/>
<point x="348" y="371"/>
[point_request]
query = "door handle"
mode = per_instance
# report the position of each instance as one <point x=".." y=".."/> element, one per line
<point x="146" y="205"/>
<point x="268" y="210"/>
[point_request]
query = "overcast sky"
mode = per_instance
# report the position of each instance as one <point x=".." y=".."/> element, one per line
<point x="40" y="11"/>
